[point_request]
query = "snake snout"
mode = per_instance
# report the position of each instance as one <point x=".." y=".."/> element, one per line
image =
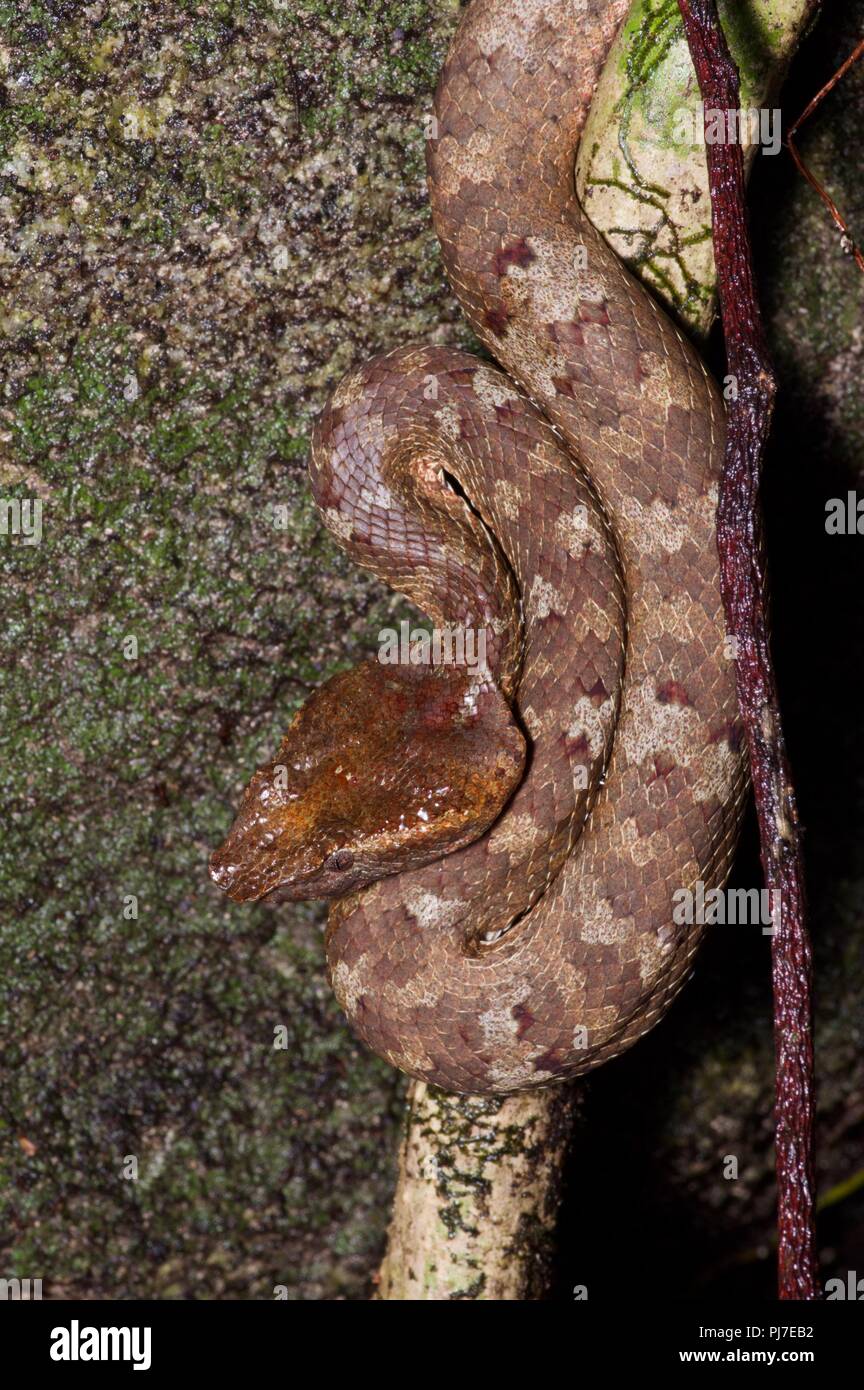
<point x="248" y="878"/>
<point x="231" y="876"/>
<point x="223" y="873"/>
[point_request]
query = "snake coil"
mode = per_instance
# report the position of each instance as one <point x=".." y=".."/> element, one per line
<point x="566" y="505"/>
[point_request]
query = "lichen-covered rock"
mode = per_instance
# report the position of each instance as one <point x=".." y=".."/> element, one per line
<point x="641" y="170"/>
<point x="207" y="213"/>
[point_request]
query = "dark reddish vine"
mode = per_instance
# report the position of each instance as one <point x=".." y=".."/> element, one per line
<point x="743" y="582"/>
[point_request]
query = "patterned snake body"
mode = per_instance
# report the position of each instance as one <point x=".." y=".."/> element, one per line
<point x="543" y="942"/>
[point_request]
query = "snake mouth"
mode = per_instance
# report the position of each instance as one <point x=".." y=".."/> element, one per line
<point x="265" y="882"/>
<point x="284" y="894"/>
<point x="318" y="886"/>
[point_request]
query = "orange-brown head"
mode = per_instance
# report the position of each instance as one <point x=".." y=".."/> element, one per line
<point x="385" y="768"/>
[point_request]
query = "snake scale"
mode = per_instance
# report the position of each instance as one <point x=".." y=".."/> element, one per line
<point x="502" y="844"/>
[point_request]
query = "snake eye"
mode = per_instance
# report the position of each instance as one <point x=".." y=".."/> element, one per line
<point x="341" y="859"/>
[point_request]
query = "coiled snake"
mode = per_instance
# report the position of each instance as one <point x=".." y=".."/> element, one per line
<point x="503" y="842"/>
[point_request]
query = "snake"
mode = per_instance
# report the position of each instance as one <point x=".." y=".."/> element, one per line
<point x="502" y="841"/>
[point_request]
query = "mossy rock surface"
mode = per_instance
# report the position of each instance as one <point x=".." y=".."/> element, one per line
<point x="208" y="214"/>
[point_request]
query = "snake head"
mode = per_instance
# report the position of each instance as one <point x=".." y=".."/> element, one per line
<point x="383" y="769"/>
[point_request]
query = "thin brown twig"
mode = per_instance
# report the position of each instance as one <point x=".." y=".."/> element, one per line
<point x="743" y="582"/>
<point x="850" y="244"/>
